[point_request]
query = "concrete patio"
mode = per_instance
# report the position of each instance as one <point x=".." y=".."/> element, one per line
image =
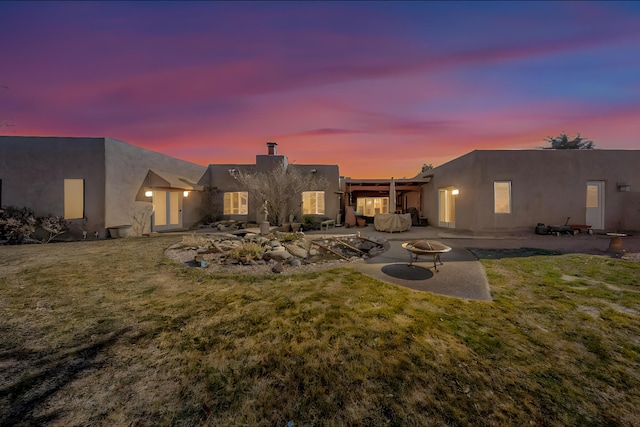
<point x="461" y="275"/>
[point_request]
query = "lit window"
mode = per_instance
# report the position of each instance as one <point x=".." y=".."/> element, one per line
<point x="73" y="198"/>
<point x="447" y="207"/>
<point x="313" y="202"/>
<point x="592" y="196"/>
<point x="236" y="203"/>
<point x="502" y="196"/>
<point x="369" y="206"/>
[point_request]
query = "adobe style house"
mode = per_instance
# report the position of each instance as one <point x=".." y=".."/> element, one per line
<point x="103" y="185"/>
<point x="229" y="198"/>
<point x="98" y="184"/>
<point x="510" y="191"/>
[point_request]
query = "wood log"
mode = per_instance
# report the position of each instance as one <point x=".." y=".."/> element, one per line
<point x="349" y="246"/>
<point x="330" y="250"/>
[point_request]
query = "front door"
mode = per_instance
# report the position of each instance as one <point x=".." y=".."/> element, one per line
<point x="446" y="208"/>
<point x="167" y="210"/>
<point x="595" y="205"/>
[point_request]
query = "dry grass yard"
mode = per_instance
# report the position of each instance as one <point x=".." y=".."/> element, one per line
<point x="112" y="333"/>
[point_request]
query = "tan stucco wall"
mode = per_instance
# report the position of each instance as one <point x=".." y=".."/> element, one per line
<point x="218" y="177"/>
<point x="331" y="199"/>
<point x="126" y="169"/>
<point x="33" y="170"/>
<point x="547" y="186"/>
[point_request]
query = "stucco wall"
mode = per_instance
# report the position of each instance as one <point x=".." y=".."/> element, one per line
<point x="219" y="178"/>
<point x="125" y="171"/>
<point x="331" y="199"/>
<point x="547" y="186"/>
<point x="33" y="170"/>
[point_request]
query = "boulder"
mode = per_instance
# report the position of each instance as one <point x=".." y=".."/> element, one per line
<point x="295" y="262"/>
<point x="296" y="250"/>
<point x="279" y="255"/>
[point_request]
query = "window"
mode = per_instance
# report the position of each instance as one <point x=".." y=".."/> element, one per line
<point x="593" y="199"/>
<point x="159" y="208"/>
<point x="236" y="203"/>
<point x="313" y="202"/>
<point x="447" y="207"/>
<point x="369" y="206"/>
<point x="502" y="196"/>
<point x="73" y="198"/>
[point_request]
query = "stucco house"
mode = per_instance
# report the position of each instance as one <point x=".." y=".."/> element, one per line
<point x="98" y="184"/>
<point x="510" y="191"/>
<point x="229" y="198"/>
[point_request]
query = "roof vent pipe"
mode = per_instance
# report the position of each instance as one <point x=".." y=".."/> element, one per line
<point x="271" y="146"/>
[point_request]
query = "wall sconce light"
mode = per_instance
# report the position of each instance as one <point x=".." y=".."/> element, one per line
<point x="185" y="193"/>
<point x="314" y="170"/>
<point x="455" y="192"/>
<point x="148" y="193"/>
<point x="623" y="187"/>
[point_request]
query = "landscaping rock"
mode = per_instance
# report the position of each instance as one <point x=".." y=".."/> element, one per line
<point x="279" y="255"/>
<point x="277" y="268"/>
<point x="295" y="262"/>
<point x="296" y="250"/>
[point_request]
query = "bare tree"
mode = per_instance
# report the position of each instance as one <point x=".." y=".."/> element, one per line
<point x="565" y="142"/>
<point x="279" y="186"/>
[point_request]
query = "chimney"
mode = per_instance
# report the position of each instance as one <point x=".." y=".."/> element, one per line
<point x="271" y="146"/>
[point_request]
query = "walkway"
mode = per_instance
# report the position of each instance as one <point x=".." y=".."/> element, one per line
<point x="460" y="276"/>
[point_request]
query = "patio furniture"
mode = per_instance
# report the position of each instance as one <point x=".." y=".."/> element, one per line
<point x="324" y="225"/>
<point x="392" y="222"/>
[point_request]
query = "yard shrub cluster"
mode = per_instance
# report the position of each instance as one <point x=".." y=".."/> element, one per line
<point x="20" y="225"/>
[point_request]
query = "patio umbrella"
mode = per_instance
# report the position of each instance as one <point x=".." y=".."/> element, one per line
<point x="392" y="196"/>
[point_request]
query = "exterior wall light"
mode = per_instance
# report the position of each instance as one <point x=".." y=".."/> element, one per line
<point x="148" y="193"/>
<point x="455" y="192"/>
<point x="185" y="193"/>
<point x="623" y="187"/>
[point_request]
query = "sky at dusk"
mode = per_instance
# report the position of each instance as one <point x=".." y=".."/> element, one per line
<point x="379" y="88"/>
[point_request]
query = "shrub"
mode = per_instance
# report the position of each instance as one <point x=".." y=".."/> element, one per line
<point x="54" y="225"/>
<point x="286" y="237"/>
<point x="250" y="250"/>
<point x="16" y="224"/>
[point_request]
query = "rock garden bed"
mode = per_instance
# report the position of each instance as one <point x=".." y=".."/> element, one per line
<point x="280" y="252"/>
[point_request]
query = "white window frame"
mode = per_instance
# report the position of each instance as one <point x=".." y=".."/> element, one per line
<point x="236" y="203"/>
<point x="313" y="203"/>
<point x="502" y="189"/>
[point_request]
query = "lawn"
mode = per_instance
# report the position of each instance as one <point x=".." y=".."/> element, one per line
<point x="112" y="333"/>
